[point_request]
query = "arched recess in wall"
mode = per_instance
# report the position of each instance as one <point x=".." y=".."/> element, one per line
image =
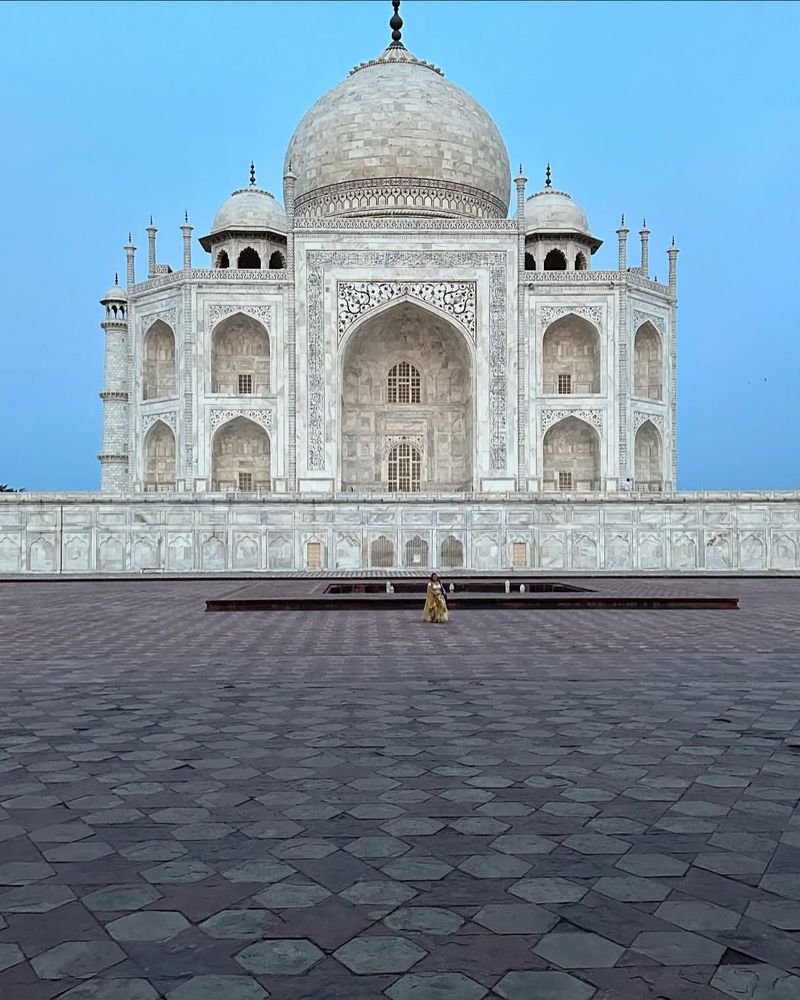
<point x="159" y="458"/>
<point x="648" y="458"/>
<point x="249" y="260"/>
<point x="530" y="262"/>
<point x="277" y="261"/>
<point x="437" y="423"/>
<point x="581" y="261"/>
<point x="158" y="376"/>
<point x="555" y="261"/>
<point x="571" y="456"/>
<point x="648" y="365"/>
<point x="222" y="260"/>
<point x="240" y="351"/>
<point x="571" y="357"/>
<point x="241" y="456"/>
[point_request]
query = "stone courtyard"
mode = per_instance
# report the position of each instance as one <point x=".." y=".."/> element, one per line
<point x="538" y="805"/>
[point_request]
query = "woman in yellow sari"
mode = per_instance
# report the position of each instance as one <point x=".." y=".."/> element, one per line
<point x="435" y="609"/>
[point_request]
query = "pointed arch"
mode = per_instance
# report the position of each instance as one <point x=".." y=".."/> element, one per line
<point x="571" y="357"/>
<point x="277" y="262"/>
<point x="158" y="350"/>
<point x="555" y="261"/>
<point x="648" y="366"/>
<point x="241" y="456"/>
<point x="240" y="357"/>
<point x="648" y="458"/>
<point x="571" y="456"/>
<point x="249" y="260"/>
<point x="222" y="260"/>
<point x="530" y="262"/>
<point x="159" y="458"/>
<point x="581" y="261"/>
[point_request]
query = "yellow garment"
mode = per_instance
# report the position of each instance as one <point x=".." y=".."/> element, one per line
<point x="435" y="609"/>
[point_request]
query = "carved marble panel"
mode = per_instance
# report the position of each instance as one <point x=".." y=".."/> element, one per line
<point x="457" y="299"/>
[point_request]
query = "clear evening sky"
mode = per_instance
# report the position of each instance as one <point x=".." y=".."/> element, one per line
<point x="686" y="113"/>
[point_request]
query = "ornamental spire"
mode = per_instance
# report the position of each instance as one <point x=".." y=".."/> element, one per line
<point x="548" y="177"/>
<point x="252" y="174"/>
<point x="396" y="24"/>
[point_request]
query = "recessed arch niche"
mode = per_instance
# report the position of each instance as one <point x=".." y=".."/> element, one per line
<point x="571" y="450"/>
<point x="438" y="422"/>
<point x="240" y="456"/>
<point x="240" y="353"/>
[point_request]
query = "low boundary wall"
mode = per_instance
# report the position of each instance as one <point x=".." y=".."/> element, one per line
<point x="95" y="533"/>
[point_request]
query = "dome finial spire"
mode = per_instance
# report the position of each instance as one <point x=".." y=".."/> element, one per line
<point x="252" y="174"/>
<point x="548" y="177"/>
<point x="396" y="23"/>
<point x="116" y="278"/>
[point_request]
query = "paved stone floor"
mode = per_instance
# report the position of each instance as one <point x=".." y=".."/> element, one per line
<point x="554" y="805"/>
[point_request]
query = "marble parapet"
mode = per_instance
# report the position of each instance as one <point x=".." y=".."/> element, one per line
<point x="95" y="533"/>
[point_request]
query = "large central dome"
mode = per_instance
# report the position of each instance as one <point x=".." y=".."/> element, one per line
<point x="396" y="138"/>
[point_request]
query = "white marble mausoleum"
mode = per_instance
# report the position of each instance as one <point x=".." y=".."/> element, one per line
<point x="406" y="361"/>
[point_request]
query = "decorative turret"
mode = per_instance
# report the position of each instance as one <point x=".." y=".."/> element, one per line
<point x="644" y="234"/>
<point x="114" y="455"/>
<point x="672" y="253"/>
<point x="622" y="236"/>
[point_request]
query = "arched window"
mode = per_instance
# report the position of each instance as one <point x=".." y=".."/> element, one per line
<point x="581" y="263"/>
<point x="159" y="362"/>
<point x="159" y="458"/>
<point x="404" y="469"/>
<point x="416" y="552"/>
<point x="381" y="552"/>
<point x="222" y="259"/>
<point x="403" y="383"/>
<point x="249" y="260"/>
<point x="452" y="552"/>
<point x="240" y="457"/>
<point x="530" y="263"/>
<point x="555" y="261"/>
<point x="571" y="357"/>
<point x="240" y="357"/>
<point x="647" y="458"/>
<point x="648" y="378"/>
<point x="276" y="261"/>
<point x="571" y="456"/>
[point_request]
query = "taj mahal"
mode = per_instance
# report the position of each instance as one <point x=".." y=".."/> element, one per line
<point x="406" y="361"/>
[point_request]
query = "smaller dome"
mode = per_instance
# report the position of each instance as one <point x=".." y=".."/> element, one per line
<point x="249" y="209"/>
<point x="114" y="294"/>
<point x="551" y="211"/>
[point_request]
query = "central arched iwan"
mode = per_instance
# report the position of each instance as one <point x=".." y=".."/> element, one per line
<point x="433" y="414"/>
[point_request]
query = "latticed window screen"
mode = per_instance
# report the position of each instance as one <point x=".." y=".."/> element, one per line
<point x="245" y="480"/>
<point x="519" y="554"/>
<point x="564" y="384"/>
<point x="382" y="552"/>
<point x="245" y="385"/>
<point x="314" y="555"/>
<point x="565" y="480"/>
<point x="452" y="552"/>
<point x="416" y="552"/>
<point x="404" y="383"/>
<point x="404" y="469"/>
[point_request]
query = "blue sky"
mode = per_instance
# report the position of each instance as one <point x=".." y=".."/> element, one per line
<point x="686" y="113"/>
